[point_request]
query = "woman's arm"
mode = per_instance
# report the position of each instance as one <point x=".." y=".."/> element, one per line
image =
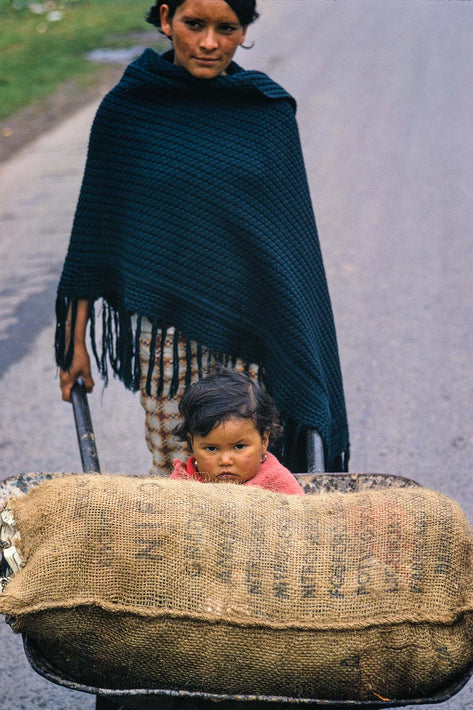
<point x="80" y="366"/>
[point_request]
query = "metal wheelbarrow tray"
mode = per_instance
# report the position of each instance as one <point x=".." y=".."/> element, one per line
<point x="174" y="699"/>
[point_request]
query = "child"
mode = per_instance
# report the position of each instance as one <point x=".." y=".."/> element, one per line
<point x="229" y="421"/>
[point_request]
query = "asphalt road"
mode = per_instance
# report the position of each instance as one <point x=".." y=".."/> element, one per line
<point x="385" y="110"/>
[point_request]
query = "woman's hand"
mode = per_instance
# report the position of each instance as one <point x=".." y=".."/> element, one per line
<point x="80" y="367"/>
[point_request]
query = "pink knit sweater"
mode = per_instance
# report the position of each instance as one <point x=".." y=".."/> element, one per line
<point x="271" y="475"/>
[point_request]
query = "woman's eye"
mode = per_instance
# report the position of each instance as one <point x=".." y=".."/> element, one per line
<point x="228" y="29"/>
<point x="194" y="24"/>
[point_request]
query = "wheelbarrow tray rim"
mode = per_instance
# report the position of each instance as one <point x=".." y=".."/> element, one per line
<point x="47" y="671"/>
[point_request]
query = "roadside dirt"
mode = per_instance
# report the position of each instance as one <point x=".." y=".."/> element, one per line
<point x="22" y="128"/>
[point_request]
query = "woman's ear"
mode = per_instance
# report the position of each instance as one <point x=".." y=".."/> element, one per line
<point x="166" y="24"/>
<point x="243" y="37"/>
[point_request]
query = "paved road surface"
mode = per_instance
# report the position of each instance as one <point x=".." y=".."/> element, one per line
<point x="385" y="106"/>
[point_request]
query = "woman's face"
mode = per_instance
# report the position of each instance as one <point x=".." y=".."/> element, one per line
<point x="205" y="35"/>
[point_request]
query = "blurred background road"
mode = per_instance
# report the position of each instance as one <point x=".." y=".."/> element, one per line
<point x="385" y="112"/>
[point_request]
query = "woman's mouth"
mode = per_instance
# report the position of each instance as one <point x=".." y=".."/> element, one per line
<point x="205" y="60"/>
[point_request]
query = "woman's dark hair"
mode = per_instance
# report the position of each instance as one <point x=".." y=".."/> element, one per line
<point x="222" y="394"/>
<point x="245" y="10"/>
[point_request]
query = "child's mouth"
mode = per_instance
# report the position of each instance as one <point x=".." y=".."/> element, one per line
<point x="226" y="476"/>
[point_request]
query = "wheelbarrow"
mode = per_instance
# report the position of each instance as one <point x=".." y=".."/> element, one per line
<point x="315" y="481"/>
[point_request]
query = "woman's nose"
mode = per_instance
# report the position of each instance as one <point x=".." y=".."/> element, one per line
<point x="208" y="40"/>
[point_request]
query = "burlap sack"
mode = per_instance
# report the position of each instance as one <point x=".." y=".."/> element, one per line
<point x="143" y="583"/>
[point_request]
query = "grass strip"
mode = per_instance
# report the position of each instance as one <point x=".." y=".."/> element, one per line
<point x="42" y="44"/>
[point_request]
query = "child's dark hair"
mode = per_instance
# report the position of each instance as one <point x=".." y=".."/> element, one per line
<point x="222" y="394"/>
<point x="245" y="10"/>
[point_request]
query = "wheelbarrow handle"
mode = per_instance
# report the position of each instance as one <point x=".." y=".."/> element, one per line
<point x="315" y="452"/>
<point x="84" y="428"/>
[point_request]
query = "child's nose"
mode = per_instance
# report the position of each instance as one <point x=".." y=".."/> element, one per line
<point x="225" y="458"/>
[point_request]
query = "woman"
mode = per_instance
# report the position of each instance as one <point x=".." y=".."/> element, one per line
<point x="195" y="228"/>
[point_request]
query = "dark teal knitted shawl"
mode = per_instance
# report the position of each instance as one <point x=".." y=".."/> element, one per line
<point x="195" y="212"/>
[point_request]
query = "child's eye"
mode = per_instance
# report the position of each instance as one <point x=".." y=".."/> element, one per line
<point x="240" y="446"/>
<point x="211" y="448"/>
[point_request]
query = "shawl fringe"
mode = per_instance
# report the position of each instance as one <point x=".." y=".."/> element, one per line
<point x="119" y="349"/>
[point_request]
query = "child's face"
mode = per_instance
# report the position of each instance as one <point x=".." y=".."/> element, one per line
<point x="231" y="452"/>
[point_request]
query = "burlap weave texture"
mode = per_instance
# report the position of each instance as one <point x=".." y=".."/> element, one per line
<point x="133" y="582"/>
